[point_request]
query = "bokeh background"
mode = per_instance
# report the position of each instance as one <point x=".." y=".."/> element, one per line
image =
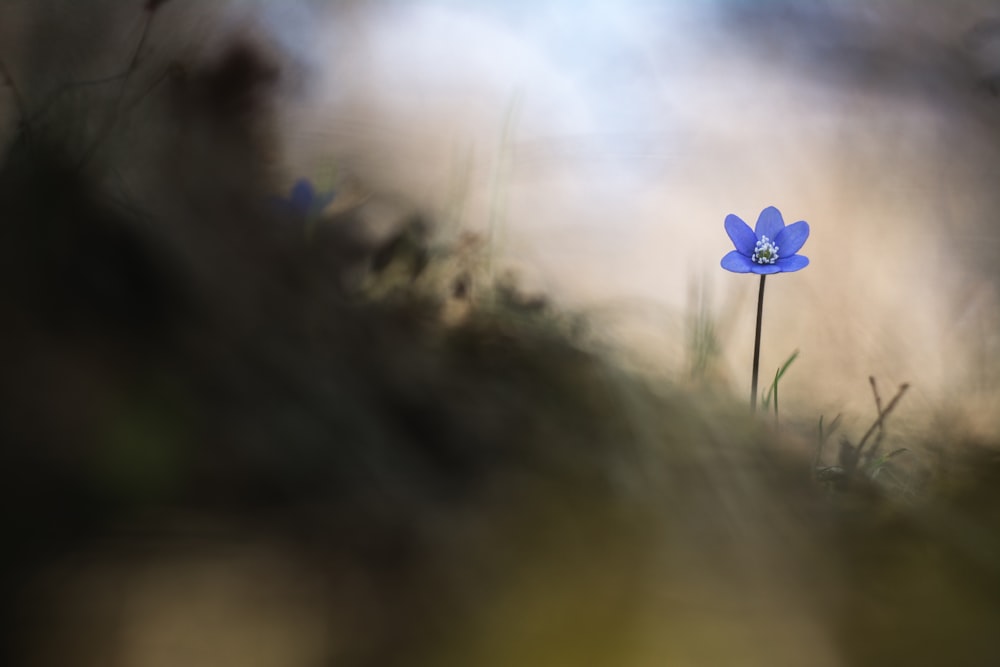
<point x="599" y="145"/>
<point x="602" y="144"/>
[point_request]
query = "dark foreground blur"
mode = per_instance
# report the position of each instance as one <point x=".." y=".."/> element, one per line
<point x="232" y="435"/>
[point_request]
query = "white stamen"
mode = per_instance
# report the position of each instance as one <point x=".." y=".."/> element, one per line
<point x="765" y="252"/>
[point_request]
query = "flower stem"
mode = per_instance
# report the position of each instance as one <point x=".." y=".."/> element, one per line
<point x="756" y="347"/>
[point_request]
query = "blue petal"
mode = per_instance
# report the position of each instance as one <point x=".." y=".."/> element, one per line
<point x="737" y="263"/>
<point x="769" y="223"/>
<point x="793" y="263"/>
<point x="766" y="269"/>
<point x="791" y="238"/>
<point x="302" y="195"/>
<point x="741" y="235"/>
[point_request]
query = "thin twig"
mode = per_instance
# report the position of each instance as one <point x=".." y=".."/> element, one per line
<point x="882" y="415"/>
<point x="50" y="100"/>
<point x="16" y="92"/>
<point x="878" y="399"/>
<point x="116" y="108"/>
<point x="878" y="409"/>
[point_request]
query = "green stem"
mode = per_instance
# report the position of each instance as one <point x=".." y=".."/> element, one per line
<point x="756" y="346"/>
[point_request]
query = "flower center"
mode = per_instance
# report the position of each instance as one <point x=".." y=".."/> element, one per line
<point x="765" y="252"/>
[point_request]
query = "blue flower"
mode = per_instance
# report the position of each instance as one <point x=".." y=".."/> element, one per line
<point x="304" y="201"/>
<point x="769" y="248"/>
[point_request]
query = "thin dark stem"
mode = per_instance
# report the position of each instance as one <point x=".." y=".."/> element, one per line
<point x="882" y="415"/>
<point x="878" y="408"/>
<point x="116" y="108"/>
<point x="756" y="346"/>
<point x="8" y="80"/>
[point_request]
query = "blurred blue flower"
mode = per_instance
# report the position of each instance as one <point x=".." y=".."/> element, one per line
<point x="304" y="201"/>
<point x="769" y="248"/>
